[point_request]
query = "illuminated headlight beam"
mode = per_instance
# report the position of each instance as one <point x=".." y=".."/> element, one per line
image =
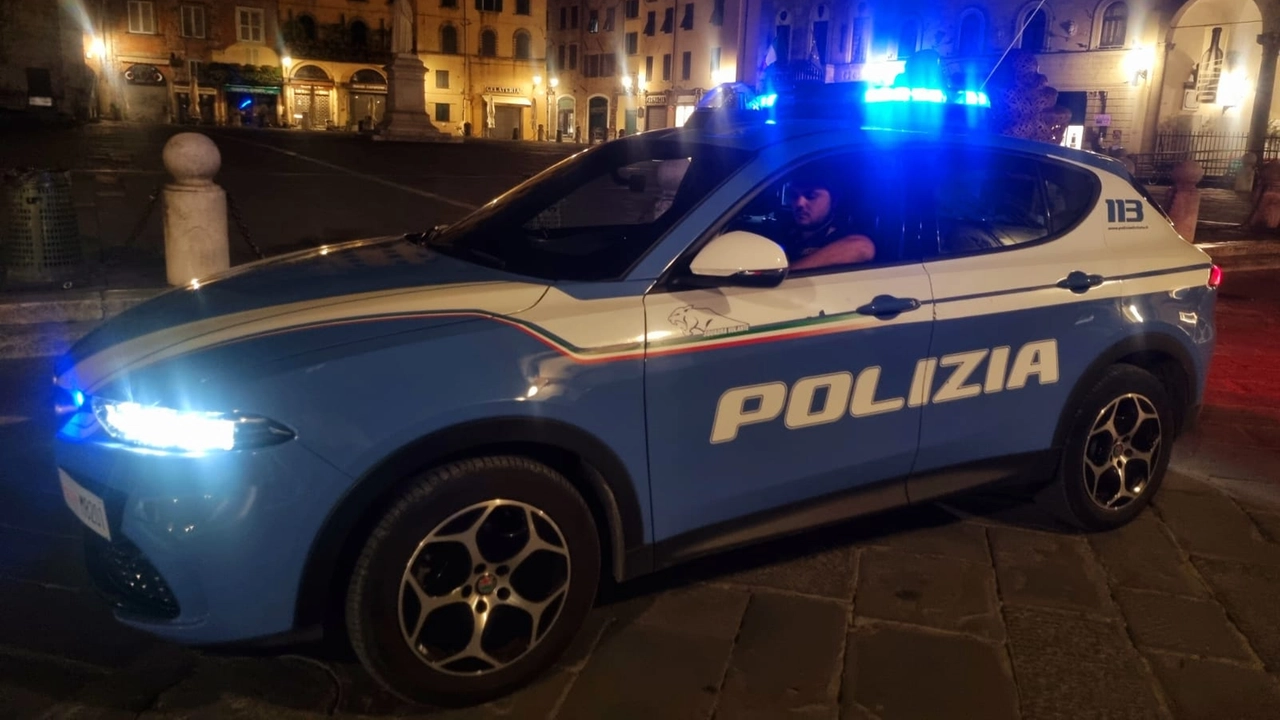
<point x="161" y="428"/>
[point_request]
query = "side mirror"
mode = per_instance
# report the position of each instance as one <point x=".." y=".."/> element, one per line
<point x="740" y="258"/>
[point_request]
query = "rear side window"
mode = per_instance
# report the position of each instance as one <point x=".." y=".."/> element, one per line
<point x="983" y="200"/>
<point x="1070" y="194"/>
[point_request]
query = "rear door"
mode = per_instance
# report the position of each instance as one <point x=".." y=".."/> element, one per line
<point x="1025" y="297"/>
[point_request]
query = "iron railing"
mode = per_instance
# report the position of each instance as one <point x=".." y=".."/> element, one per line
<point x="1218" y="153"/>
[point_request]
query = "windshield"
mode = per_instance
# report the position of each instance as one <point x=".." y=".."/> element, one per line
<point x="591" y="217"/>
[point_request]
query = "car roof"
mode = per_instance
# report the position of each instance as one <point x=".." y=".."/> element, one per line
<point x="756" y="136"/>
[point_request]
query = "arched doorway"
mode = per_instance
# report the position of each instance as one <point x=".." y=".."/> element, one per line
<point x="1209" y="88"/>
<point x="597" y="119"/>
<point x="312" y="102"/>
<point x="368" y="98"/>
<point x="565" y="121"/>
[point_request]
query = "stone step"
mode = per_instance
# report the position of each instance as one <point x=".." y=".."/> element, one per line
<point x="48" y="339"/>
<point x="68" y="307"/>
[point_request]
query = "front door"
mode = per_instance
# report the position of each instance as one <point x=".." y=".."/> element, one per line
<point x="762" y="399"/>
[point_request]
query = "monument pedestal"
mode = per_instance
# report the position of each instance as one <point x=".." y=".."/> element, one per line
<point x="405" y="118"/>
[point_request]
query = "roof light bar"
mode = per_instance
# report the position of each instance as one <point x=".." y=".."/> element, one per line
<point x="924" y="94"/>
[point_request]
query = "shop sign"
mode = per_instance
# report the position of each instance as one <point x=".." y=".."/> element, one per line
<point x="257" y="89"/>
<point x="368" y="86"/>
<point x="496" y="90"/>
<point x="655" y="99"/>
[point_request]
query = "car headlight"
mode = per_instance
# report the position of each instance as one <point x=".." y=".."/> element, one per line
<point x="164" y="428"/>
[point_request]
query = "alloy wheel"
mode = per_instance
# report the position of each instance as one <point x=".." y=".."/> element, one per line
<point x="1123" y="447"/>
<point x="484" y="587"/>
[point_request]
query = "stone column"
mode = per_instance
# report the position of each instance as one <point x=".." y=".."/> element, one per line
<point x="195" y="210"/>
<point x="1265" y="89"/>
<point x="405" y="117"/>
<point x="1183" y="201"/>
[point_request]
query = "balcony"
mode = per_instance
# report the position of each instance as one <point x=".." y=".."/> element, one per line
<point x="334" y="42"/>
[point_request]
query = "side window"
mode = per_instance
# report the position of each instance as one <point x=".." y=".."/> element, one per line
<point x="1070" y="193"/>
<point x="992" y="200"/>
<point x="834" y="213"/>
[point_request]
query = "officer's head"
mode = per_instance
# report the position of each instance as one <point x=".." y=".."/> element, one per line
<point x="811" y="200"/>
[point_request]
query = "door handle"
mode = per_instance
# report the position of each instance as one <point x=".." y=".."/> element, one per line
<point x="887" y="307"/>
<point x="1079" y="282"/>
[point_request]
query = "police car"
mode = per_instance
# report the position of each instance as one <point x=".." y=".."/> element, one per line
<point x="442" y="442"/>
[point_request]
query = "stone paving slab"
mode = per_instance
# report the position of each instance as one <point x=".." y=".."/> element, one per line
<point x="1142" y="555"/>
<point x="1206" y="690"/>
<point x="1182" y="625"/>
<point x="903" y="672"/>
<point x="929" y="591"/>
<point x="1214" y="526"/>
<point x="786" y="660"/>
<point x="1055" y="571"/>
<point x="1068" y="665"/>
<point x="1249" y="594"/>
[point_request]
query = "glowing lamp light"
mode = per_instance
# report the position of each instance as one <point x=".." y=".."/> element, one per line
<point x="537" y="80"/>
<point x="166" y="429"/>
<point x="626" y="82"/>
<point x="97" y="48"/>
<point x="555" y="82"/>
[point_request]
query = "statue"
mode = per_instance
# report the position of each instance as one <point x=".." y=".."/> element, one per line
<point x="404" y="28"/>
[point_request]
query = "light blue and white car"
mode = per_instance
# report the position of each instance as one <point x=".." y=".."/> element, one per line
<point x="442" y="442"/>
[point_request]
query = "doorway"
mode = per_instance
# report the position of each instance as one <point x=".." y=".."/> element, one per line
<point x="597" y="119"/>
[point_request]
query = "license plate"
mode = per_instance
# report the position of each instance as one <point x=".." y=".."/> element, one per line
<point x="87" y="506"/>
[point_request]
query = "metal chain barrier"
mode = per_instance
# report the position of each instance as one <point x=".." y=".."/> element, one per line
<point x="244" y="231"/>
<point x="146" y="215"/>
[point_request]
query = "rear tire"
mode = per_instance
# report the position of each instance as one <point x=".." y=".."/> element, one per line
<point x="1116" y="453"/>
<point x="474" y="582"/>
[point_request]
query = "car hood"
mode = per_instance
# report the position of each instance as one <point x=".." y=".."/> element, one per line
<point x="355" y="281"/>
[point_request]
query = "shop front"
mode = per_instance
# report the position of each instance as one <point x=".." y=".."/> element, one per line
<point x="145" y="93"/>
<point x="655" y="111"/>
<point x="367" y="93"/>
<point x="252" y="105"/>
<point x="312" y="90"/>
<point x="504" y="109"/>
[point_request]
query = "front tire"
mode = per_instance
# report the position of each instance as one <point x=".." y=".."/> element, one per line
<point x="1117" y="451"/>
<point x="474" y="582"/>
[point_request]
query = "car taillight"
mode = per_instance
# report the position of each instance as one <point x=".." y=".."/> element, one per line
<point x="1215" y="277"/>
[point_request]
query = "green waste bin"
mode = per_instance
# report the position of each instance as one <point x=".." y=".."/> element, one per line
<point x="41" y="240"/>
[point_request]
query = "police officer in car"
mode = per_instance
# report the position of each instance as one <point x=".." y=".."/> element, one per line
<point x="816" y="237"/>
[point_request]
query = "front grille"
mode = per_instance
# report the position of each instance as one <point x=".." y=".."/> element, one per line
<point x="129" y="581"/>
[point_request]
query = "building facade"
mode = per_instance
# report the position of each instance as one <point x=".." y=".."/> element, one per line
<point x="1139" y="76"/>
<point x="625" y="66"/>
<point x="42" y="61"/>
<point x="316" y="64"/>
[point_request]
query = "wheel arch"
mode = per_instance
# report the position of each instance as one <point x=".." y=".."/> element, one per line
<point x="1160" y="354"/>
<point x="588" y="463"/>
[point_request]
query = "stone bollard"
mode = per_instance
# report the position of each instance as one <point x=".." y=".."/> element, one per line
<point x="1244" y="178"/>
<point x="195" y="210"/>
<point x="1265" y="213"/>
<point x="1183" y="200"/>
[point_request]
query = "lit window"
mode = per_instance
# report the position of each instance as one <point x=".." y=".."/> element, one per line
<point x="142" y="17"/>
<point x="250" y="23"/>
<point x="192" y="21"/>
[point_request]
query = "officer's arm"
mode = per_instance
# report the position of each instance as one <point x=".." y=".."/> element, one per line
<point x="847" y="250"/>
